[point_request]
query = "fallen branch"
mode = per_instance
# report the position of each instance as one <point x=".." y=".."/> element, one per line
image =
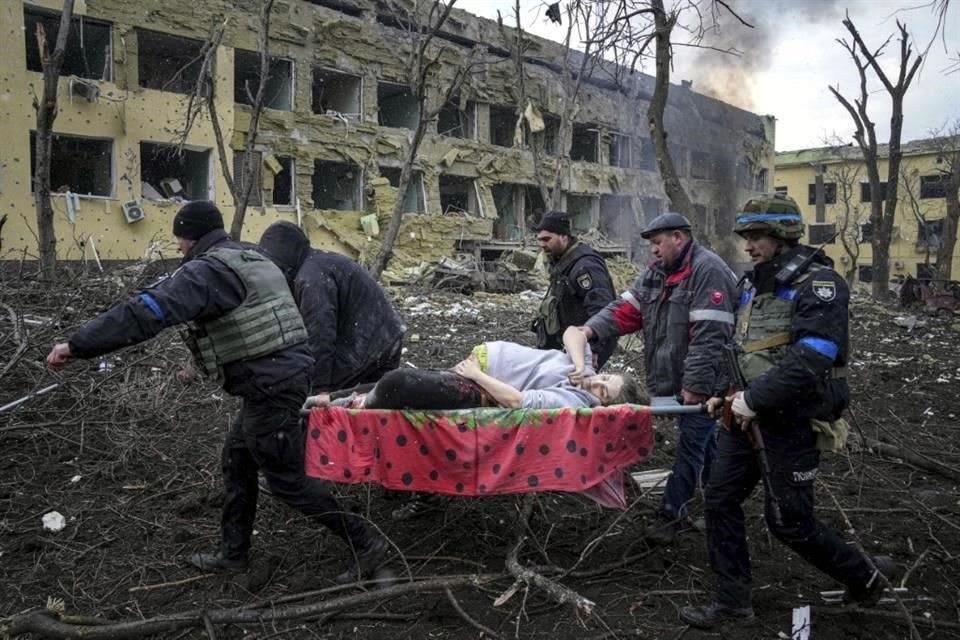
<point x="50" y="624"/>
<point x="917" y="460"/>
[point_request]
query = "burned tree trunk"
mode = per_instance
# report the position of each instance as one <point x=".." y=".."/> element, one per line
<point x="679" y="200"/>
<point x="46" y="108"/>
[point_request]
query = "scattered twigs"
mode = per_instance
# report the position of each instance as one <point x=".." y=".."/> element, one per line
<point x="467" y="618"/>
<point x="916" y="459"/>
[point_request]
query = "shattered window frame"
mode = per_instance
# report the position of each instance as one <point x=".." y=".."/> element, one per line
<point x="416" y="190"/>
<point x="503" y="134"/>
<point x="474" y="206"/>
<point x="275" y="62"/>
<point x="584" y="138"/>
<point x="582" y="219"/>
<point x="467" y="119"/>
<point x="829" y="193"/>
<point x="339" y="77"/>
<point x="358" y="195"/>
<point x="398" y="89"/>
<point x="289" y="169"/>
<point x="933" y="186"/>
<point x="616" y="216"/>
<point x="929" y="233"/>
<point x="821" y="232"/>
<point x="621" y="146"/>
<point x="76" y="170"/>
<point x="192" y="155"/>
<point x="184" y="66"/>
<point x="239" y="160"/>
<point x="75" y="59"/>
<point x="865" y="273"/>
<point x="507" y="225"/>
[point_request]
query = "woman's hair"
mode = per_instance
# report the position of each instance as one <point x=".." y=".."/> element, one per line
<point x="630" y="392"/>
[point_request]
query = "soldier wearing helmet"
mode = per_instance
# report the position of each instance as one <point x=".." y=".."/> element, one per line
<point x="683" y="303"/>
<point x="791" y="345"/>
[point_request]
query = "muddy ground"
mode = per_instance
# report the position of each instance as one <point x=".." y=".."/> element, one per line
<point x="130" y="457"/>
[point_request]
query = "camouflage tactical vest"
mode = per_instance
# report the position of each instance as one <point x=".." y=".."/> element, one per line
<point x="266" y="321"/>
<point x="763" y="325"/>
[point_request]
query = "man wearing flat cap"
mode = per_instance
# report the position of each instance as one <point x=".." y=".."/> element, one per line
<point x="243" y="327"/>
<point x="684" y="305"/>
<point x="580" y="286"/>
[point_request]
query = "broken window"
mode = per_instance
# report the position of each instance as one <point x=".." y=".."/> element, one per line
<point x="781" y="190"/>
<point x="168" y="63"/>
<point x="581" y="211"/>
<point x="829" y="193"/>
<point x="88" y="45"/>
<point x="80" y="165"/>
<point x="760" y="180"/>
<point x="619" y="150"/>
<point x="616" y="217"/>
<point x="507" y="224"/>
<point x="414" y="201"/>
<point x="503" y="123"/>
<point x="865" y="191"/>
<point x="340" y="93"/>
<point x="930" y="233"/>
<point x="584" y="145"/>
<point x="822" y="233"/>
<point x="865" y="232"/>
<point x="337" y="185"/>
<point x="651" y="209"/>
<point x="397" y="106"/>
<point x="551" y="133"/>
<point x="934" y="186"/>
<point x="533" y="207"/>
<point x="701" y="165"/>
<point x="239" y="171"/>
<point x="283" y="183"/>
<point x="278" y="92"/>
<point x="865" y="273"/>
<point x="458" y="194"/>
<point x="168" y="175"/>
<point x="457" y="120"/>
<point x="645" y="157"/>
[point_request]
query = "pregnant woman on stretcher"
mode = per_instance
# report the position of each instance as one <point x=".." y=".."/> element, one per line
<point x="502" y="374"/>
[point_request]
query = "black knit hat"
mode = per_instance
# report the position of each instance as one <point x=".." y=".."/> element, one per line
<point x="197" y="219"/>
<point x="554" y="222"/>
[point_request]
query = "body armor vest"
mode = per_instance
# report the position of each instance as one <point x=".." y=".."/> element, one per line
<point x="763" y="325"/>
<point x="266" y="321"/>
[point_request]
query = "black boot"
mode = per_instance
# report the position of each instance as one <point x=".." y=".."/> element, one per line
<point x="368" y="552"/>
<point x="662" y="532"/>
<point x="710" y="615"/>
<point x="213" y="562"/>
<point x="869" y="594"/>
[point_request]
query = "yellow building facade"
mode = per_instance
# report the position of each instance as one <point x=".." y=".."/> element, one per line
<point x="921" y="206"/>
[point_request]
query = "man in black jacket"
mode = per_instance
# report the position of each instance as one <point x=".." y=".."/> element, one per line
<point x="355" y="335"/>
<point x="225" y="294"/>
<point x="580" y="286"/>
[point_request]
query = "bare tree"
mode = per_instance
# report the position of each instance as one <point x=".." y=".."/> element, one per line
<point x="846" y="175"/>
<point x="46" y="109"/>
<point x="948" y="149"/>
<point x="910" y="198"/>
<point x="204" y="97"/>
<point x="881" y="213"/>
<point x="423" y="64"/>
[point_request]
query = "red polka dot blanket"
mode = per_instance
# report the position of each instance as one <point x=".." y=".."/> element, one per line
<point x="480" y="452"/>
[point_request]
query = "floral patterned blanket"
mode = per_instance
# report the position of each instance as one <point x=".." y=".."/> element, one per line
<point x="481" y="452"/>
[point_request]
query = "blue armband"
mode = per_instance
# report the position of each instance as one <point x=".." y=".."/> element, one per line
<point x="827" y="348"/>
<point x="153" y="305"/>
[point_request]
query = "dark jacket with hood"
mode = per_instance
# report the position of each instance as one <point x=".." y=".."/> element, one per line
<point x="351" y="323"/>
<point x="202" y="289"/>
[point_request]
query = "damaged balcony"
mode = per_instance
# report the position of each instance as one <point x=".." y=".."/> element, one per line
<point x="166" y="174"/>
<point x="337" y="94"/>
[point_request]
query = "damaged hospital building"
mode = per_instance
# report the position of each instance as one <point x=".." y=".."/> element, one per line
<point x="332" y="138"/>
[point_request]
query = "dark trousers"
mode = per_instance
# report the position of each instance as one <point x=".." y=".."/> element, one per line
<point x="425" y="389"/>
<point x="696" y="449"/>
<point x="794" y="462"/>
<point x="388" y="361"/>
<point x="268" y="435"/>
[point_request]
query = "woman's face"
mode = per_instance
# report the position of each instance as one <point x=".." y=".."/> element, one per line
<point x="605" y="386"/>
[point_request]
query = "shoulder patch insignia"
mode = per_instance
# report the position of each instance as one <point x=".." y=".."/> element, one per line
<point x="584" y="280"/>
<point x="826" y="290"/>
<point x="716" y="298"/>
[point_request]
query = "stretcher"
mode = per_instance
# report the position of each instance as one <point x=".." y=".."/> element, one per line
<point x="488" y="451"/>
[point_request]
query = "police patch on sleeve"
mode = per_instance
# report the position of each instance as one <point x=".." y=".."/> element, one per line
<point x="584" y="280"/>
<point x="826" y="290"/>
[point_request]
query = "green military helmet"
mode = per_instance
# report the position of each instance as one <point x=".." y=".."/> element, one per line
<point x="772" y="213"/>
